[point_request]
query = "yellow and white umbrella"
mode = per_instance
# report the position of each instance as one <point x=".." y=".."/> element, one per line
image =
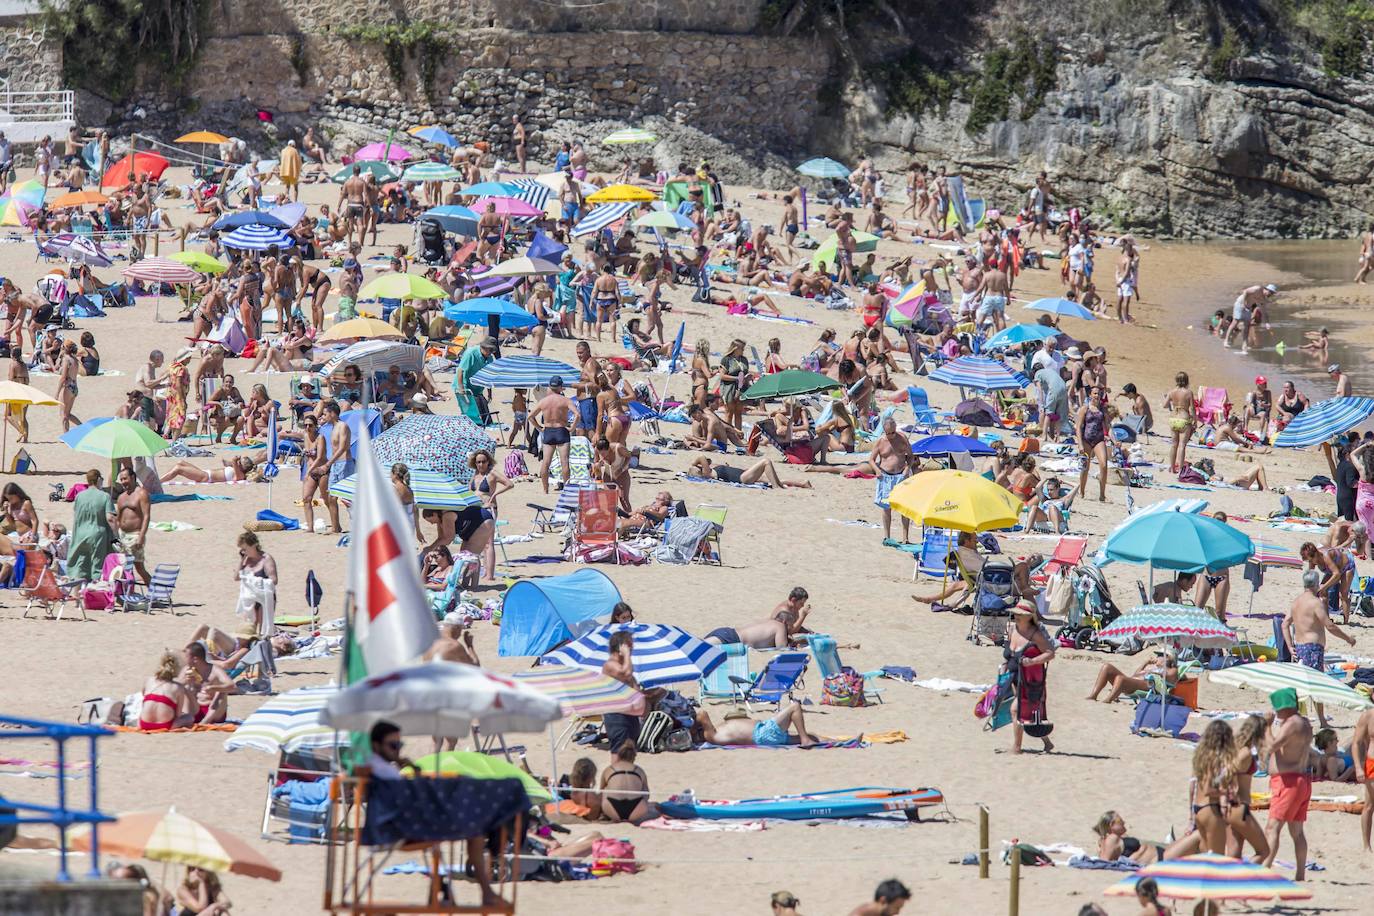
<point x="13" y="394"/>
<point x="170" y="836"/>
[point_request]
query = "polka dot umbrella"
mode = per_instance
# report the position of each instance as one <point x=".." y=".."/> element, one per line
<point x="439" y="443"/>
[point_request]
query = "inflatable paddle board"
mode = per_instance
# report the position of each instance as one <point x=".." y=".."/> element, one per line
<point x="833" y="804"/>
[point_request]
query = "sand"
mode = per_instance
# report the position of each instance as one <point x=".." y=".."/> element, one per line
<point x="860" y="592"/>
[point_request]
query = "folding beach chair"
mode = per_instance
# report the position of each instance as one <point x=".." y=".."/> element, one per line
<point x="937" y="544"/>
<point x="1212" y="406"/>
<point x="43" y="588"/>
<point x="827" y="656"/>
<point x="716" y="514"/>
<point x="920" y="406"/>
<point x="1068" y="553"/>
<point x="597" y="525"/>
<point x="778" y="679"/>
<point x="579" y="461"/>
<point x="158" y="593"/>
<point x="298" y="795"/>
<point x="721" y="684"/>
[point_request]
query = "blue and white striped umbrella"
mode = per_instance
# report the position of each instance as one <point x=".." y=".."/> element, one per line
<point x="979" y="373"/>
<point x="288" y="722"/>
<point x="432" y="490"/>
<point x="1056" y="306"/>
<point x="1323" y="420"/>
<point x="257" y="237"/>
<point x="601" y="217"/>
<point x="522" y="371"/>
<point x="661" y="654"/>
<point x="532" y="192"/>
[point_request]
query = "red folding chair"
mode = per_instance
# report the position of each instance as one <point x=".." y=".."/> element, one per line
<point x="1068" y="553"/>
<point x="597" y="525"/>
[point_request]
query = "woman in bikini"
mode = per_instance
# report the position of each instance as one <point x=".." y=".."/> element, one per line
<point x="1214" y="780"/>
<point x="487" y="481"/>
<point x="621" y="777"/>
<point x="612" y="416"/>
<point x="1023" y="480"/>
<point x="701" y="371"/>
<point x="1244" y="828"/>
<point x="167" y="704"/>
<point x="1182" y="422"/>
<point x="67" y="366"/>
<point x="1113" y="843"/>
<point x="1091" y="427"/>
<point x="1216" y="582"/>
<point x="234" y="470"/>
<point x="313" y="458"/>
<point x="19" y="515"/>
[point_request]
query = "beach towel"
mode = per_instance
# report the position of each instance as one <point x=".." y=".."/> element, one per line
<point x="1121" y="864"/>
<point x="821" y="746"/>
<point x="683" y="539"/>
<point x="201" y="727"/>
<point x="183" y="497"/>
<point x="174" y="526"/>
<point x="741" y="486"/>
<point x="287" y="522"/>
<point x="258" y="590"/>
<point x="701" y="825"/>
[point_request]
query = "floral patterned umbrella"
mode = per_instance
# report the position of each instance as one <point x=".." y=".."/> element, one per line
<point x="440" y="443"/>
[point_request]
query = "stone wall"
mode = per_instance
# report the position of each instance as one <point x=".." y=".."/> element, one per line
<point x="28" y="60"/>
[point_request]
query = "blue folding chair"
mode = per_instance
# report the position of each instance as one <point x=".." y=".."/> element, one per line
<point x="920" y="405"/>
<point x="827" y="656"/>
<point x="937" y="544"/>
<point x="720" y="683"/>
<point x="779" y="677"/>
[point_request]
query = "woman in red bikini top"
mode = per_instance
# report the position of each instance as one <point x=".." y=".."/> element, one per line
<point x="166" y="703"/>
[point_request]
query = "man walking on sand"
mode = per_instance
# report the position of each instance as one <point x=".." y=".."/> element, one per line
<point x="133" y="515"/>
<point x="1305" y="627"/>
<point x="1362" y="750"/>
<point x="289" y="169"/>
<point x="1290" y="785"/>
<point x="551" y="416"/>
<point x="891" y="456"/>
<point x="353" y="203"/>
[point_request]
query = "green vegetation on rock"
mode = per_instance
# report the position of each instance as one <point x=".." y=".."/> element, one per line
<point x="427" y="43"/>
<point x="107" y="43"/>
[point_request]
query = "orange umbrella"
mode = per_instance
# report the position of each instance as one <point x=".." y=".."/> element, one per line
<point x="79" y="199"/>
<point x="170" y="836"/>
<point x="134" y="165"/>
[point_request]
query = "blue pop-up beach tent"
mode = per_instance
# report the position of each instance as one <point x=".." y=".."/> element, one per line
<point x="539" y="614"/>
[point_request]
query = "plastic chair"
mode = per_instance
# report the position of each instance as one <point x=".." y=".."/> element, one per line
<point x="716" y="514"/>
<point x="721" y="684"/>
<point x="827" y="656"/>
<point x="779" y="677"/>
<point x="1068" y="553"/>
<point x="937" y="544"/>
<point x="1212" y="405"/>
<point x="920" y="405"/>
<point x="597" y="524"/>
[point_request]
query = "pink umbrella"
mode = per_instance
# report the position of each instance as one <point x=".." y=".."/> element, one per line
<point x="159" y="271"/>
<point x="507" y="206"/>
<point x="383" y="152"/>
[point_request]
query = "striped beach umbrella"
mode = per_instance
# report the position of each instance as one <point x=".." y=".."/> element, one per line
<point x="240" y="218"/>
<point x="601" y="217"/>
<point x="629" y="136"/>
<point x="1181" y="624"/>
<point x="1308" y="682"/>
<point x="16" y="212"/>
<point x="1276" y="555"/>
<point x="1323" y="420"/>
<point x="160" y="270"/>
<point x="661" y="654"/>
<point x="522" y="371"/>
<point x="533" y="192"/>
<point x="77" y="248"/>
<point x="431" y="171"/>
<point x="288" y="722"/>
<point x="440" y="443"/>
<point x="30" y="192"/>
<point x="376" y="356"/>
<point x="112" y="437"/>
<point x="170" y="836"/>
<point x="524" y="267"/>
<point x="257" y="237"/>
<point x="584" y="692"/>
<point x="665" y="219"/>
<point x="477" y="311"/>
<point x="1057" y="306"/>
<point x="1208" y="876"/>
<point x="823" y="167"/>
<point x="979" y="373"/>
<point x="432" y="490"/>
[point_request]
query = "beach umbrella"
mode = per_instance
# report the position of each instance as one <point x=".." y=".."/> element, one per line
<point x="402" y="286"/>
<point x="453" y="218"/>
<point x="132" y="166"/>
<point x="288" y="722"/>
<point x="1019" y="334"/>
<point x="584" y="692"/>
<point x="241" y="218"/>
<point x="980" y="373"/>
<point x="30" y="192"/>
<point x="508" y="206"/>
<point x="1207" y="876"/>
<point x="383" y="152"/>
<point x="433" y="134"/>
<point x="288" y="214"/>
<point x="202" y="136"/>
<point x="170" y="836"/>
<point x="78" y="199"/>
<point x="664" y="219"/>
<point x="118" y="438"/>
<point x="76" y="248"/>
<point x="16" y="212"/>
<point x="246" y="172"/>
<point x="827" y="252"/>
<point x="950" y="444"/>
<point x="522" y="371"/>
<point x="661" y="654"/>
<point x="955" y="499"/>
<point x="431" y="171"/>
<point x="629" y="136"/>
<point x="476" y="765"/>
<point x="789" y="383"/>
<point x="432" y="490"/>
<point x="360" y="329"/>
<point x="381" y="170"/>
<point x="1056" y="306"/>
<point x="824" y="168"/>
<point x="676" y="353"/>
<point x="621" y="193"/>
<point x="491" y="189"/>
<point x="1181" y="624"/>
<point x="314" y="594"/>
<point x="13" y="394"/>
<point x="1310" y="683"/>
<point x="200" y="262"/>
<point x="1180" y="541"/>
<point x="1323" y="420"/>
<point x="439" y="442"/>
<point x="523" y="267"/>
<point x="444" y="699"/>
<point x="376" y="356"/>
<point x="160" y="270"/>
<point x="480" y="311"/>
<point x="257" y="238"/>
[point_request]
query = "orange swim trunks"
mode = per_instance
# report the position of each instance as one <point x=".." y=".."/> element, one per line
<point x="1369" y="769"/>
<point x="1290" y="794"/>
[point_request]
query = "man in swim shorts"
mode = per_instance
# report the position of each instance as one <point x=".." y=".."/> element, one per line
<point x="891" y="456"/>
<point x="1307" y="622"/>
<point x="1362" y="750"/>
<point x="551" y="416"/>
<point x="1290" y="785"/>
<point x="996" y="286"/>
<point x="774" y="732"/>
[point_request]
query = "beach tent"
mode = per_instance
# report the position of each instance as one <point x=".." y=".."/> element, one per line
<point x="959" y="205"/>
<point x="675" y="192"/>
<point x="539" y="614"/>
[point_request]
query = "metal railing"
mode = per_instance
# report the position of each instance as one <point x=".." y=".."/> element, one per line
<point x="38" y="105"/>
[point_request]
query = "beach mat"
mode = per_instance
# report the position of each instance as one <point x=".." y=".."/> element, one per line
<point x="202" y="727"/>
<point x="185" y="497"/>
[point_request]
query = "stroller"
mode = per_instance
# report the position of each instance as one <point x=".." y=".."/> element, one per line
<point x="1093" y="610"/>
<point x="993" y="599"/>
<point x="432" y="247"/>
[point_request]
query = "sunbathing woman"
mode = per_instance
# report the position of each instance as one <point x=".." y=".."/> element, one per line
<point x="709" y="429"/>
<point x="1165" y="664"/>
<point x="234" y="470"/>
<point x="761" y="470"/>
<point x="625" y="775"/>
<point x="167" y="704"/>
<point x="1113" y="843"/>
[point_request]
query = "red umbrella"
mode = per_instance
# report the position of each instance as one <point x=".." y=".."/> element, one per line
<point x="134" y="165"/>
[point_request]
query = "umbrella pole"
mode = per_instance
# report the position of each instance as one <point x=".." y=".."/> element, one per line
<point x="5" y="442"/>
<point x="494" y="332"/>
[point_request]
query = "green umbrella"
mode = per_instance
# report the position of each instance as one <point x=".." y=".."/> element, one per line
<point x="628" y="136"/>
<point x="200" y="261"/>
<point x="481" y="766"/>
<point x="383" y="171"/>
<point x="431" y="171"/>
<point x="788" y="383"/>
<point x="862" y="242"/>
<point x="121" y="439"/>
<point x="402" y="286"/>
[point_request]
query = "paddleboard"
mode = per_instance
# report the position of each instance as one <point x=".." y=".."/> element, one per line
<point x="837" y="803"/>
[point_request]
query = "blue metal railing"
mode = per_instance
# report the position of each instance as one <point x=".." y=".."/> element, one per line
<point x="60" y="815"/>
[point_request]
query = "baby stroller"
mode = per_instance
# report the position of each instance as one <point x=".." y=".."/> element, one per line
<point x="52" y="289"/>
<point x="993" y="599"/>
<point x="432" y="247"/>
<point x="1093" y="609"/>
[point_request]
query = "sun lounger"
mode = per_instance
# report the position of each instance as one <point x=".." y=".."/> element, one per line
<point x="827" y="656"/>
<point x="779" y="677"/>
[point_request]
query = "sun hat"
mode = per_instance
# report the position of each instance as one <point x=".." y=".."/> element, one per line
<point x="1271" y="287"/>
<point x="1024" y="607"/>
<point x="184" y="355"/>
<point x="1284" y="698"/>
<point x="1073" y="353"/>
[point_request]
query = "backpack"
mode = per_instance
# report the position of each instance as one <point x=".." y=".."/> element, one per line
<point x="844" y="688"/>
<point x="679" y="708"/>
<point x="653" y="735"/>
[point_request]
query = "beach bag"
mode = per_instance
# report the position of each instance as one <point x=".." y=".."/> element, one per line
<point x="1190" y="476"/>
<point x="1003" y="694"/>
<point x="611" y="856"/>
<point x="679" y="708"/>
<point x="843" y="688"/>
<point x="1059" y="595"/>
<point x="987" y="703"/>
<point x="515" y="465"/>
<point x="679" y="740"/>
<point x="653" y="735"/>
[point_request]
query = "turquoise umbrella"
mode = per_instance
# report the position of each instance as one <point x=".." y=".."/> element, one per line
<point x="1019" y="334"/>
<point x="823" y="168"/>
<point x="1056" y="306"/>
<point x="1181" y="541"/>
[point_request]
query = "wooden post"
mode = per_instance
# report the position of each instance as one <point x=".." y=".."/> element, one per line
<point x="982" y="841"/>
<point x="1014" y="898"/>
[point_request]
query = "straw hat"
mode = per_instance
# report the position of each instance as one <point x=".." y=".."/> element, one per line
<point x="1025" y="608"/>
<point x="184" y="355"/>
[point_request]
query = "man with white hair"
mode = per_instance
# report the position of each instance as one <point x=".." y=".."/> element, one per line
<point x="1305" y="627"/>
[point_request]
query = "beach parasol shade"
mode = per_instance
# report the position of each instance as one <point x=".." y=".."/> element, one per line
<point x="402" y="286"/>
<point x="950" y="444"/>
<point x="160" y="270"/>
<point x="664" y="219"/>
<point x="431" y="171"/>
<point x="584" y="692"/>
<point x="507" y="206"/>
<point x="16" y="212"/>
<point x="78" y="199"/>
<point x="1207" y="876"/>
<point x="1019" y="334"/>
<point x="432" y="490"/>
<point x="491" y="189"/>
<point x="14" y="394"/>
<point x="827" y="252"/>
<point x="383" y="171"/>
<point x="1181" y="624"/>
<point x="444" y="699"/>
<point x="1181" y="541"/>
<point x="77" y="248"/>
<point x="201" y="136"/>
<point x="824" y="168"/>
<point x="661" y="654"/>
<point x="628" y="136"/>
<point x="118" y="438"/>
<point x="478" y="311"/>
<point x="476" y="765"/>
<point x="1310" y="683"/>
<point x="955" y="499"/>
<point x="199" y="261"/>
<point x="1056" y="306"/>
<point x="621" y="193"/>
<point x="383" y="152"/>
<point x="134" y="165"/>
<point x="170" y="836"/>
<point x="288" y="214"/>
<point x="433" y="134"/>
<point x="979" y="373"/>
<point x="241" y="218"/>
<point x="522" y="267"/>
<point x="257" y="238"/>
<point x="360" y="329"/>
<point x="1323" y="420"/>
<point x="441" y="443"/>
<point x="522" y="371"/>
<point x="789" y="383"/>
<point x="288" y="722"/>
<point x="30" y="192"/>
<point x="453" y="218"/>
<point x="377" y="356"/>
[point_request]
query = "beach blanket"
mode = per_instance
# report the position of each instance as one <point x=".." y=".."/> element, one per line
<point x="683" y="539"/>
<point x="1345" y="804"/>
<point x="174" y="526"/>
<point x="1305" y="525"/>
<point x="943" y="683"/>
<point x="202" y="727"/>
<point x="184" y="497"/>
<point x="702" y="825"/>
<point x="854" y="523"/>
<point x="741" y="486"/>
<point x="1121" y="864"/>
<point x="820" y="746"/>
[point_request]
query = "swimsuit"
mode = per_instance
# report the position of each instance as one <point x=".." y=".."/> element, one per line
<point x="624" y="807"/>
<point x="1290" y="794"/>
<point x="883" y="486"/>
<point x="145" y="725"/>
<point x="769" y="733"/>
<point x="555" y="435"/>
<point x="1311" y="654"/>
<point x="727" y="635"/>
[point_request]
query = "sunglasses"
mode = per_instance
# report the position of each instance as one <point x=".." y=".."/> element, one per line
<point x="393" y="745"/>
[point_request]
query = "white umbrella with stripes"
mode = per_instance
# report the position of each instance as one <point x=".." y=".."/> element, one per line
<point x="1308" y="682"/>
<point x="1323" y="420"/>
<point x="522" y="371"/>
<point x="601" y="217"/>
<point x="257" y="237"/>
<point x="661" y="654"/>
<point x="288" y="722"/>
<point x="76" y="248"/>
<point x="158" y="271"/>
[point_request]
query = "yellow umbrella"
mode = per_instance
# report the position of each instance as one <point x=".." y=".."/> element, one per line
<point x="955" y="499"/>
<point x="621" y="193"/>
<point x="360" y="329"/>
<point x="170" y="836"/>
<point x="13" y="394"/>
<point x="201" y="136"/>
<point x="199" y="261"/>
<point x="402" y="286"/>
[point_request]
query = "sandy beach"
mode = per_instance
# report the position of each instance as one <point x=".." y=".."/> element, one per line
<point x="824" y="540"/>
